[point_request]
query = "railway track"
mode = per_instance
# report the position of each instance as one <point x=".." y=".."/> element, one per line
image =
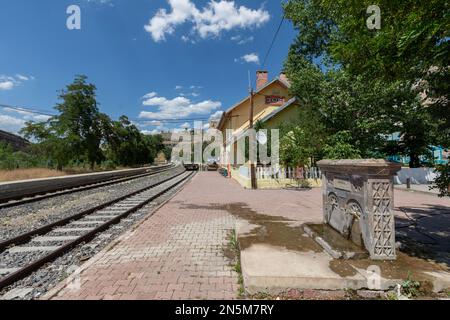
<point x="28" y="252"/>
<point x="12" y="202"/>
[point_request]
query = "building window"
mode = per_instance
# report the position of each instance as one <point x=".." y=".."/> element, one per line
<point x="275" y="100"/>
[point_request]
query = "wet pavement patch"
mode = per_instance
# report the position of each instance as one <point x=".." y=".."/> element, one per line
<point x="342" y="268"/>
<point x="334" y="243"/>
<point x="270" y="230"/>
<point x="405" y="266"/>
<point x="274" y="232"/>
<point x="334" y="238"/>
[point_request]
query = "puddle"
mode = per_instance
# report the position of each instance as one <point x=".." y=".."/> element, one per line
<point x="270" y="230"/>
<point x="335" y="239"/>
<point x="342" y="268"/>
<point x="276" y="231"/>
<point x="400" y="268"/>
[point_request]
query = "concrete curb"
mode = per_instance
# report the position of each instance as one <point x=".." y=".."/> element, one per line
<point x="31" y="187"/>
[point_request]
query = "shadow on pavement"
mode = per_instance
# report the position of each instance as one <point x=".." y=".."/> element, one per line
<point x="424" y="231"/>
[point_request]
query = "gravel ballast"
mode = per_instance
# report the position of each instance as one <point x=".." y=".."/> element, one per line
<point x="27" y="217"/>
<point x="48" y="276"/>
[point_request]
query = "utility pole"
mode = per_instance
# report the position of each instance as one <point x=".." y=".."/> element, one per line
<point x="252" y="165"/>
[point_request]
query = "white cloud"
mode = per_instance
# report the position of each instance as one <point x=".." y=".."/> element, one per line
<point x="216" y="116"/>
<point x="155" y="123"/>
<point x="177" y="108"/>
<point x="150" y="95"/>
<point x="8" y="83"/>
<point x="24" y="116"/>
<point x="21" y="77"/>
<point x="249" y="58"/>
<point x="101" y="2"/>
<point x="178" y="87"/>
<point x="185" y="125"/>
<point x="151" y="132"/>
<point x="210" y="21"/>
<point x="242" y="40"/>
<point x="11" y="124"/>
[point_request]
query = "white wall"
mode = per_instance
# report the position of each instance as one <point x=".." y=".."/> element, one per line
<point x="417" y="175"/>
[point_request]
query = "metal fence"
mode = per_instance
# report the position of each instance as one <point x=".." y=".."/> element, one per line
<point x="288" y="173"/>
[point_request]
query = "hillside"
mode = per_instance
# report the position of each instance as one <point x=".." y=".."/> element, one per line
<point x="18" y="143"/>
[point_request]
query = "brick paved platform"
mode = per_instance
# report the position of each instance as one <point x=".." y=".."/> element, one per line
<point x="177" y="253"/>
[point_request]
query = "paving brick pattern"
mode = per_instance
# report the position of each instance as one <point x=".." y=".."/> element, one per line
<point x="177" y="253"/>
<point x="174" y="254"/>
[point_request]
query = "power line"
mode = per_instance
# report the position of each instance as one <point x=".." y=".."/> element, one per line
<point x="23" y="109"/>
<point x="273" y="42"/>
<point x="169" y="120"/>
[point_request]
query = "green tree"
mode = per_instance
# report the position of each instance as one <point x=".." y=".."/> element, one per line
<point x="80" y="133"/>
<point x="339" y="147"/>
<point x="79" y="121"/>
<point x="75" y="134"/>
<point x="302" y="139"/>
<point x="368" y="82"/>
<point x="443" y="180"/>
<point x="126" y="145"/>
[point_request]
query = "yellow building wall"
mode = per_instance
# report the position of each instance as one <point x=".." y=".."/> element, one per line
<point x="287" y="115"/>
<point x="272" y="183"/>
<point x="239" y="116"/>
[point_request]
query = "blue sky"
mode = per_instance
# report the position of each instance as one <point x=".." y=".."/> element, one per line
<point x="150" y="59"/>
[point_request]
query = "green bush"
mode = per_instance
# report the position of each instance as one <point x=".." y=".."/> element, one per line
<point x="108" y="165"/>
<point x="443" y="180"/>
<point x="10" y="159"/>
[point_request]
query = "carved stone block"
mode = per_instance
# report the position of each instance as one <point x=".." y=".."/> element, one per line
<point x="358" y="201"/>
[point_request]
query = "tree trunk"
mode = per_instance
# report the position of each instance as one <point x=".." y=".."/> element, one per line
<point x="414" y="161"/>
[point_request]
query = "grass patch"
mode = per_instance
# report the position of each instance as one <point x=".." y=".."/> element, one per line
<point x="410" y="287"/>
<point x="391" y="296"/>
<point x="234" y="254"/>
<point x="31" y="173"/>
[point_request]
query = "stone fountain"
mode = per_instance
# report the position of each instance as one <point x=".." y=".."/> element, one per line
<point x="358" y="202"/>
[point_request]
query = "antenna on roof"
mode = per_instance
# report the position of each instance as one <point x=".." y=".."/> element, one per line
<point x="249" y="81"/>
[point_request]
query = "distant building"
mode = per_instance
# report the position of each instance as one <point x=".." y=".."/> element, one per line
<point x="167" y="139"/>
<point x="440" y="155"/>
<point x="16" y="142"/>
<point x="160" y="159"/>
<point x="272" y="103"/>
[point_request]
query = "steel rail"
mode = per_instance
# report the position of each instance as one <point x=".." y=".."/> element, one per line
<point x="83" y="187"/>
<point x="35" y="265"/>
<point x="47" y="228"/>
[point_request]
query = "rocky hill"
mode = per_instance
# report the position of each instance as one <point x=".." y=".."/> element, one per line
<point x="18" y="143"/>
